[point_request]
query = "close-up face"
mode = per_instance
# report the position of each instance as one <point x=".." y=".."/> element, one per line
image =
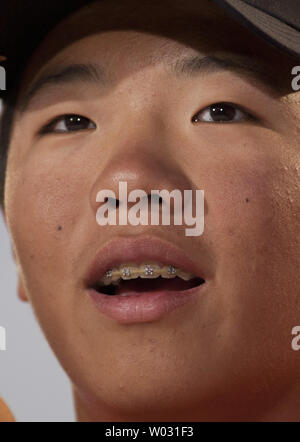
<point x="161" y="96"/>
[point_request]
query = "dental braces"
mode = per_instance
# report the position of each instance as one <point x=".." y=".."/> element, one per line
<point x="148" y="271"/>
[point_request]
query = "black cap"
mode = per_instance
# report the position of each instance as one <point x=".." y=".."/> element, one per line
<point x="24" y="23"/>
<point x="278" y="21"/>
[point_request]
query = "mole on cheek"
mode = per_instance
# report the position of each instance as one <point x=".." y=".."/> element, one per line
<point x="247" y="200"/>
<point x="59" y="228"/>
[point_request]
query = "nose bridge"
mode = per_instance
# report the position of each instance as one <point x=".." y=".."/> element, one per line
<point x="140" y="148"/>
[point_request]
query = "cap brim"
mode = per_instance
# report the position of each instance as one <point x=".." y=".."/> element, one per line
<point x="278" y="33"/>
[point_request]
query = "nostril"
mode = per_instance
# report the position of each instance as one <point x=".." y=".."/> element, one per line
<point x="155" y="197"/>
<point x="110" y="200"/>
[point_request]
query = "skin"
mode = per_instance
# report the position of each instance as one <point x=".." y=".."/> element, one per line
<point x="229" y="356"/>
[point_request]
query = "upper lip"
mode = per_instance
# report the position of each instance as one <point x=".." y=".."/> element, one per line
<point x="139" y="250"/>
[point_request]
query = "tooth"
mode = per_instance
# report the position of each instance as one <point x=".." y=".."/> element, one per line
<point x="128" y="271"/>
<point x="108" y="273"/>
<point x="184" y="275"/>
<point x="149" y="271"/>
<point x="115" y="277"/>
<point x="171" y="270"/>
<point x="107" y="278"/>
<point x="168" y="272"/>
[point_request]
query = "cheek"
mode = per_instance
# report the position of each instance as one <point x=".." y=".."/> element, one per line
<point x="45" y="202"/>
<point x="252" y="192"/>
<point x="252" y="216"/>
<point x="262" y="208"/>
<point x="45" y="188"/>
<point x="253" y="222"/>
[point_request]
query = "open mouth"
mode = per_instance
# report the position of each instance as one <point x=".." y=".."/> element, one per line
<point x="132" y="279"/>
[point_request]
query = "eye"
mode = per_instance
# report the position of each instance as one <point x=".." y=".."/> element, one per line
<point x="222" y="113"/>
<point x="68" y="123"/>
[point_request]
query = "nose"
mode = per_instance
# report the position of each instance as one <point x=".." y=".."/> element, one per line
<point x="143" y="159"/>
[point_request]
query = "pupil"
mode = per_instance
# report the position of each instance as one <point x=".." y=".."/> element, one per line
<point x="222" y="112"/>
<point x="75" y="122"/>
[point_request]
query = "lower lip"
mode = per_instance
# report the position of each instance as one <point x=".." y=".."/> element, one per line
<point x="144" y="307"/>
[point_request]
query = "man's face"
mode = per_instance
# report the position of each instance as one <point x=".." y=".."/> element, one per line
<point x="228" y="352"/>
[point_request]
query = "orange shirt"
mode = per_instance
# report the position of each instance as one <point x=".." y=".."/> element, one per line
<point x="5" y="413"/>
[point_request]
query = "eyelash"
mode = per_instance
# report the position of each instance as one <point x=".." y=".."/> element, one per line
<point x="48" y="128"/>
<point x="237" y="110"/>
<point x="243" y="114"/>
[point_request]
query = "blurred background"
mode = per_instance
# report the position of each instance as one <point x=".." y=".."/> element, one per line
<point x="32" y="382"/>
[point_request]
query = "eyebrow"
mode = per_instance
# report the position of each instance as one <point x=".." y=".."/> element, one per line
<point x="85" y="73"/>
<point x="256" y="72"/>
<point x="187" y="66"/>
